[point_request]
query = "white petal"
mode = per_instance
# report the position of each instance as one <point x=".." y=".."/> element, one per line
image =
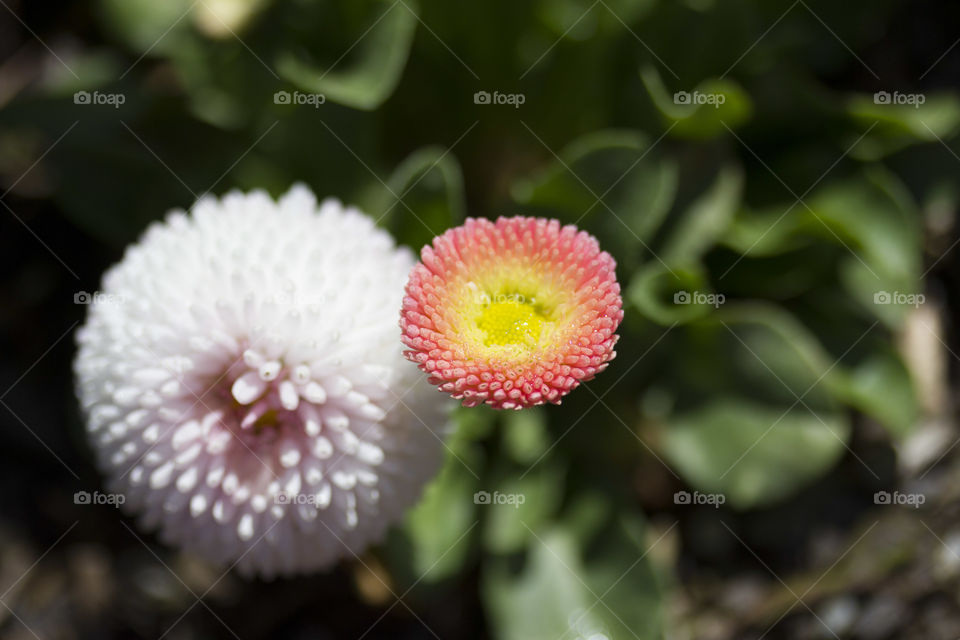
<point x="322" y="448"/>
<point x="323" y="496"/>
<point x="311" y="427"/>
<point x="248" y="388"/>
<point x="253" y="359"/>
<point x="198" y="504"/>
<point x="245" y="527"/>
<point x="289" y="454"/>
<point x="369" y="453"/>
<point x="161" y="476"/>
<point x="315" y="393"/>
<point x="345" y="481"/>
<point x="269" y="370"/>
<point x="187" y="480"/>
<point x="289" y="397"/>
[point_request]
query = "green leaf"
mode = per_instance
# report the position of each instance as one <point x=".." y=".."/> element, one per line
<point x="424" y="197"/>
<point x="474" y="423"/>
<point x="767" y="231"/>
<point x="673" y="289"/>
<point x="769" y="354"/>
<point x="611" y="182"/>
<point x="440" y="520"/>
<point x="881" y="387"/>
<point x="531" y="499"/>
<point x="618" y="569"/>
<point x="437" y="527"/>
<point x="372" y="77"/>
<point x="707" y="111"/>
<point x="586" y="514"/>
<point x="772" y="421"/>
<point x="901" y="124"/>
<point x="612" y="592"/>
<point x="706" y="220"/>
<point x="525" y="435"/>
<point x="873" y="218"/>
<point x="665" y="295"/>
<point x="95" y="69"/>
<point x="753" y="454"/>
<point x="615" y="165"/>
<point x="145" y="25"/>
<point x="549" y="586"/>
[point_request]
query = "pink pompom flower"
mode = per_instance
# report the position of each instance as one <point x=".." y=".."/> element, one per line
<point x="512" y="313"/>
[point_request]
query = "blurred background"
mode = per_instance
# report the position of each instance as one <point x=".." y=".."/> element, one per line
<point x="771" y="455"/>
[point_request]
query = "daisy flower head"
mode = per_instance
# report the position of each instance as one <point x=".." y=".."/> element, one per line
<point x="244" y="388"/>
<point x="512" y="313"/>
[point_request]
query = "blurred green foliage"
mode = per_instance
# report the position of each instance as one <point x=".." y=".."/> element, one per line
<point x="753" y="235"/>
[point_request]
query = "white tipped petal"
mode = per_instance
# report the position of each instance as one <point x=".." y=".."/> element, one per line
<point x="259" y="503"/>
<point x="322" y="448"/>
<point x="269" y="371"/>
<point x="289" y="454"/>
<point x="311" y="427"/>
<point x="188" y="480"/>
<point x="198" y="504"/>
<point x="315" y="393"/>
<point x="248" y="388"/>
<point x="289" y="397"/>
<point x="253" y="359"/>
<point x="343" y="480"/>
<point x="370" y="453"/>
<point x="245" y="527"/>
<point x="323" y="496"/>
<point x="301" y="374"/>
<point x="161" y="477"/>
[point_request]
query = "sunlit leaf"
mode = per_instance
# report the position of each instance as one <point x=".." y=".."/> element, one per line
<point x="881" y="387"/>
<point x="525" y="435"/>
<point x="899" y="119"/>
<point x="667" y="295"/>
<point x="366" y="80"/>
<point x="705" y="220"/>
<point x="874" y="221"/>
<point x="769" y="420"/>
<point x="519" y="503"/>
<point x="609" y="592"/>
<point x="706" y="111"/>
<point x="422" y="198"/>
<point x="145" y="25"/>
<point x="616" y="166"/>
<point x="751" y="453"/>
<point x="437" y="528"/>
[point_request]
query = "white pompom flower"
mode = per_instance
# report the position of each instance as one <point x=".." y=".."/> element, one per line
<point x="242" y="376"/>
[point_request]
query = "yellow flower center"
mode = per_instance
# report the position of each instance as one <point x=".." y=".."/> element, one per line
<point x="510" y="322"/>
